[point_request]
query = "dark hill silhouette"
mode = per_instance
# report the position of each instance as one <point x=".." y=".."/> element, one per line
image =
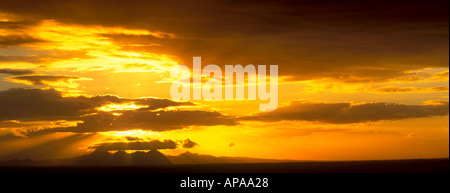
<point x="152" y="157"/>
<point x="96" y="158"/>
<point x="193" y="158"/>
<point x="121" y="158"/>
<point x="158" y="158"/>
<point x="99" y="158"/>
<point x="139" y="158"/>
<point x="154" y="161"/>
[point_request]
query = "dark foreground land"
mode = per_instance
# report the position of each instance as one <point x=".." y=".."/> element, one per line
<point x="426" y="175"/>
<point x="389" y="166"/>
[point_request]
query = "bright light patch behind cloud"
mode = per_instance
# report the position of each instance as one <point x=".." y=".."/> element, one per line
<point x="121" y="107"/>
<point x="95" y="50"/>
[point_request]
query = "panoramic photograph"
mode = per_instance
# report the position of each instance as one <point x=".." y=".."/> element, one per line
<point x="221" y="86"/>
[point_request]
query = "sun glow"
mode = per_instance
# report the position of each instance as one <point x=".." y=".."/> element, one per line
<point x="141" y="134"/>
<point x="86" y="48"/>
<point x="74" y="76"/>
<point x="121" y="107"/>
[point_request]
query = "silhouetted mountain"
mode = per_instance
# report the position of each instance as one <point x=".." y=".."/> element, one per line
<point x="100" y="158"/>
<point x="145" y="165"/>
<point x="193" y="158"/>
<point x="158" y="158"/>
<point x="120" y="158"/>
<point x="96" y="158"/>
<point x="151" y="158"/>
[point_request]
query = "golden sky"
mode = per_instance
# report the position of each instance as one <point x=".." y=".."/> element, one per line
<point x="358" y="80"/>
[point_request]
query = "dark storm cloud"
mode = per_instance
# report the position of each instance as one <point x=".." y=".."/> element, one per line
<point x="344" y="113"/>
<point x="43" y="79"/>
<point x="147" y="145"/>
<point x="148" y="120"/>
<point x="24" y="104"/>
<point x="349" y="40"/>
<point x="15" y="40"/>
<point x="36" y="104"/>
<point x="189" y="143"/>
<point x="15" y="71"/>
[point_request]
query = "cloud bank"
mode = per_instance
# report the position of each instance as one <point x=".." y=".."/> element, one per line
<point x="363" y="41"/>
<point x="149" y="145"/>
<point x="15" y="71"/>
<point x="346" y="113"/>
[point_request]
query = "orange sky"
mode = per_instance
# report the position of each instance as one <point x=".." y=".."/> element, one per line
<point x="356" y="82"/>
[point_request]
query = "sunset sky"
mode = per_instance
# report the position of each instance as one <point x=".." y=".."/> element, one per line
<point x="358" y="80"/>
